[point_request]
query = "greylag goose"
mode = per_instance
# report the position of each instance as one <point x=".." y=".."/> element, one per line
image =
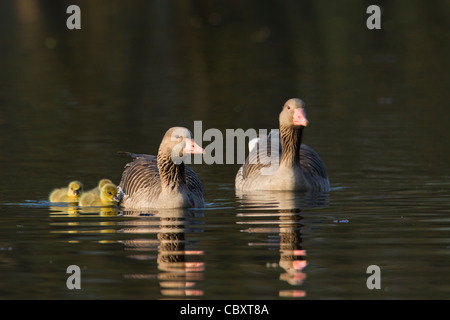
<point x="294" y="166"/>
<point x="69" y="194"/>
<point x="162" y="181"/>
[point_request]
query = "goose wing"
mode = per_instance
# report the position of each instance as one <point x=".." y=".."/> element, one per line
<point x="311" y="164"/>
<point x="141" y="180"/>
<point x="260" y="155"/>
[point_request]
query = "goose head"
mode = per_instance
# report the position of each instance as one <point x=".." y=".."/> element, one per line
<point x="293" y="114"/>
<point x="178" y="142"/>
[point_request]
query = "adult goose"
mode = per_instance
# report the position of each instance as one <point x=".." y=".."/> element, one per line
<point x="292" y="165"/>
<point x="162" y="181"/>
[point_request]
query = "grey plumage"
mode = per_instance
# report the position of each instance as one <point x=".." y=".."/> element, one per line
<point x="156" y="182"/>
<point x="294" y="166"/>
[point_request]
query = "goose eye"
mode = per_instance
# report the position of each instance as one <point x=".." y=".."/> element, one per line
<point x="289" y="107"/>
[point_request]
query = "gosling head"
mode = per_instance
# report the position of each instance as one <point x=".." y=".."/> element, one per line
<point x="103" y="182"/>
<point x="75" y="189"/>
<point x="107" y="193"/>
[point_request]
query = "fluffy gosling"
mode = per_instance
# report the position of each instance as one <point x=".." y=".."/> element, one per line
<point x="101" y="183"/>
<point x="70" y="194"/>
<point x="103" y="198"/>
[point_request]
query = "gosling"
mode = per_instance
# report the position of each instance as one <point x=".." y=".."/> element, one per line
<point x="101" y="183"/>
<point x="70" y="194"/>
<point x="101" y="199"/>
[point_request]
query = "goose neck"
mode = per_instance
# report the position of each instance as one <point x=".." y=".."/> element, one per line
<point x="291" y="140"/>
<point x="171" y="174"/>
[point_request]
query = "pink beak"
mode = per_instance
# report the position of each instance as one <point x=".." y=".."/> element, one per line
<point x="299" y="118"/>
<point x="191" y="147"/>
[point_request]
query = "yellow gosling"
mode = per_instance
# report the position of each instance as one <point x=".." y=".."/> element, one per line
<point x="103" y="198"/>
<point x="70" y="194"/>
<point x="101" y="183"/>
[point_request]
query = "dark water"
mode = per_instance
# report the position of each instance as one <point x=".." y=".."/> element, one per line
<point x="377" y="102"/>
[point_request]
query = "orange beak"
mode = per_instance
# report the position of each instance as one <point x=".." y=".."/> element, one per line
<point x="299" y="118"/>
<point x="192" y="148"/>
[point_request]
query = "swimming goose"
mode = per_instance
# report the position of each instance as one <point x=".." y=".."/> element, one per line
<point x="103" y="198"/>
<point x="163" y="181"/>
<point x="70" y="194"/>
<point x="294" y="166"/>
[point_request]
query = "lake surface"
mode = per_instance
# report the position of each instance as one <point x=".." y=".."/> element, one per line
<point x="378" y="106"/>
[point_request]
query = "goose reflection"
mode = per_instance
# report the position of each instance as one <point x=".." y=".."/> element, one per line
<point x="179" y="268"/>
<point x="281" y="212"/>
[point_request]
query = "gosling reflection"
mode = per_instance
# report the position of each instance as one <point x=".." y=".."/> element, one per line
<point x="281" y="213"/>
<point x="75" y="210"/>
<point x="68" y="210"/>
<point x="178" y="266"/>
